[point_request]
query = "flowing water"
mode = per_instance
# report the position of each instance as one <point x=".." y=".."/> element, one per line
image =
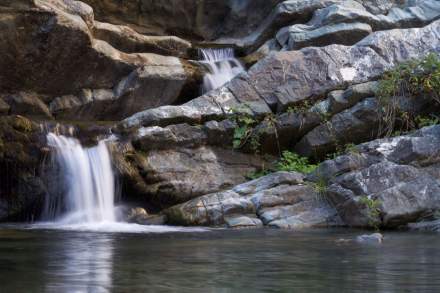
<point x="222" y="66"/>
<point x="87" y="181"/>
<point x="263" y="260"/>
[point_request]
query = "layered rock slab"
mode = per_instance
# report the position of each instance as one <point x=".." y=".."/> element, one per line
<point x="280" y="200"/>
<point x="387" y="182"/>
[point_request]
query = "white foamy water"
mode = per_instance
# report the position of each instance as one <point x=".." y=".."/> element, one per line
<point x="116" y="227"/>
<point x="88" y="183"/>
<point x="222" y="66"/>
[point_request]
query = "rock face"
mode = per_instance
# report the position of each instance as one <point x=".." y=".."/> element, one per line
<point x="387" y="182"/>
<point x="22" y="188"/>
<point x="280" y="200"/>
<point x="205" y="20"/>
<point x="310" y="87"/>
<point x="32" y="32"/>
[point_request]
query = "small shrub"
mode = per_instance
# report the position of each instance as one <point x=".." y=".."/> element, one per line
<point x="290" y="161"/>
<point x="412" y="79"/>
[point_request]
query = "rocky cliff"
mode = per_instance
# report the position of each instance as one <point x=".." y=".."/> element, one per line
<point x="313" y="84"/>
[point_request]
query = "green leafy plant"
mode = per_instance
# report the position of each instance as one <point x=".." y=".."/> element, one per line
<point x="423" y="121"/>
<point x="290" y="161"/>
<point x="244" y="131"/>
<point x="412" y="79"/>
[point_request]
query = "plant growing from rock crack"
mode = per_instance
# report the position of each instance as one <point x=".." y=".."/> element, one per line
<point x="412" y="79"/>
<point x="293" y="162"/>
<point x="244" y="131"/>
<point x="372" y="206"/>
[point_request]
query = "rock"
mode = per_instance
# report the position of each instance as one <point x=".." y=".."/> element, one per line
<point x="90" y="64"/>
<point x="140" y="216"/>
<point x="209" y="210"/>
<point x="27" y="104"/>
<point x="340" y="100"/>
<point x="288" y="78"/>
<point x="23" y="185"/>
<point x="280" y="200"/>
<point x="308" y="214"/>
<point x="4" y="107"/>
<point x="387" y="182"/>
<point x="180" y="174"/>
<point x="357" y="124"/>
<point x="286" y="130"/>
<point x="372" y="238"/>
<point x="269" y="181"/>
<point x="136" y="214"/>
<point x="341" y="33"/>
<point x="286" y="12"/>
<point x="214" y="105"/>
<point x="425" y="226"/>
<point x="196" y="20"/>
<point x="243" y="222"/>
<point x="128" y="40"/>
<point x="179" y="135"/>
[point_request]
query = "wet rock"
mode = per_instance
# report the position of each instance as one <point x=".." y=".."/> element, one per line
<point x="372" y="238"/>
<point x="4" y="107"/>
<point x="136" y="214"/>
<point x="425" y="226"/>
<point x="22" y="181"/>
<point x="243" y="222"/>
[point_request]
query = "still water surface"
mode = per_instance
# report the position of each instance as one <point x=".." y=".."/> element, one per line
<point x="216" y="261"/>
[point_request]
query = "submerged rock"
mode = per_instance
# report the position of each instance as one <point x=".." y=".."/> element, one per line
<point x="372" y="238"/>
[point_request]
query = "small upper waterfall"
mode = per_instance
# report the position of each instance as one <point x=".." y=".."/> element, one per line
<point x="222" y="66"/>
<point x="88" y="185"/>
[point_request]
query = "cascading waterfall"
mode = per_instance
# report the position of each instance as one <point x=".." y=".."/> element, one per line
<point x="88" y="183"/>
<point x="222" y="66"/>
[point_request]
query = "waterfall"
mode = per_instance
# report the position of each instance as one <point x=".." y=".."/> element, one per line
<point x="88" y="185"/>
<point x="222" y="66"/>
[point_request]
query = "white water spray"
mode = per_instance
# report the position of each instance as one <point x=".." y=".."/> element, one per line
<point x="89" y="182"/>
<point x="222" y="66"/>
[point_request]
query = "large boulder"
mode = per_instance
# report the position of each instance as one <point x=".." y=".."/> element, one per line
<point x="33" y="60"/>
<point x="281" y="200"/>
<point x="22" y="185"/>
<point x="196" y="20"/>
<point x="288" y="78"/>
<point x="387" y="182"/>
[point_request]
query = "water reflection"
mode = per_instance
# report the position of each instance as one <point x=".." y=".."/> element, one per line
<point x="81" y="264"/>
<point x="218" y="261"/>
